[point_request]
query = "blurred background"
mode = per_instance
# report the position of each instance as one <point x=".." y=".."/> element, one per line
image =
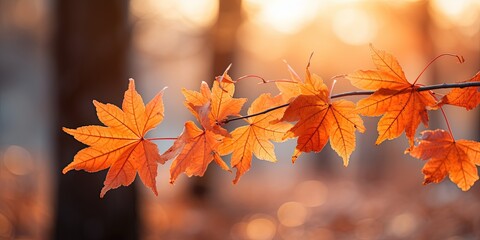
<point x="57" y="56"/>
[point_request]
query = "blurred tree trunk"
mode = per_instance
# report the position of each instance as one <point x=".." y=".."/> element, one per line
<point x="91" y="45"/>
<point x="224" y="34"/>
<point x="224" y="44"/>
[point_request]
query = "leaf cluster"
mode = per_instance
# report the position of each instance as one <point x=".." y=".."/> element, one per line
<point x="304" y="110"/>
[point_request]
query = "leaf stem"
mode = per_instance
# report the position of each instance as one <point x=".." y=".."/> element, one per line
<point x="460" y="59"/>
<point x="251" y="76"/>
<point x="448" y="124"/>
<point x="331" y="88"/>
<point x="263" y="79"/>
<point x="357" y="93"/>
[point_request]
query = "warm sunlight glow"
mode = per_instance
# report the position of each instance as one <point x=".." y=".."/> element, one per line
<point x="354" y="26"/>
<point x="461" y="13"/>
<point x="292" y="214"/>
<point x="261" y="228"/>
<point x="403" y="225"/>
<point x="264" y="43"/>
<point x="200" y="12"/>
<point x="18" y="160"/>
<point x="311" y="193"/>
<point x="283" y="15"/>
<point x="453" y="9"/>
<point x="196" y="14"/>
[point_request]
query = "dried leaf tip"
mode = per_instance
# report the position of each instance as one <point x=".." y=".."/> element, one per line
<point x="310" y="59"/>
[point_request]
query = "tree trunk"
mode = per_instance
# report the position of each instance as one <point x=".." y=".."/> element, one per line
<point x="91" y="46"/>
<point x="223" y="40"/>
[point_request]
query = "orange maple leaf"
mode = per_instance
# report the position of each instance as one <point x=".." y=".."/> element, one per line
<point x="445" y="155"/>
<point x="468" y="97"/>
<point x="403" y="107"/>
<point x="319" y="120"/>
<point x="255" y="138"/>
<point x="290" y="89"/>
<point x="121" y="145"/>
<point x="196" y="148"/>
<point x="220" y="100"/>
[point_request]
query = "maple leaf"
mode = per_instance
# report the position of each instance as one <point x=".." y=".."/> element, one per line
<point x="255" y="138"/>
<point x="320" y="120"/>
<point x="447" y="156"/>
<point x="121" y="145"/>
<point x="403" y="107"/>
<point x="221" y="104"/>
<point x="468" y="97"/>
<point x="290" y="90"/>
<point x="196" y="148"/>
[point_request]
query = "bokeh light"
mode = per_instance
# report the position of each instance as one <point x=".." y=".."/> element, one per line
<point x="311" y="193"/>
<point x="261" y="227"/>
<point x="449" y="14"/>
<point x="459" y="12"/>
<point x="18" y="160"/>
<point x="195" y="15"/>
<point x="354" y="26"/>
<point x="262" y="42"/>
<point x="292" y="214"/>
<point x="285" y="16"/>
<point x="403" y="225"/>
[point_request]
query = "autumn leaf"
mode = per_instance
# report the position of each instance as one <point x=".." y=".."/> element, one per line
<point x="319" y="120"/>
<point x="255" y="137"/>
<point x="403" y="107"/>
<point x="223" y="104"/>
<point x="447" y="156"/>
<point x="220" y="100"/>
<point x="196" y="148"/>
<point x="290" y="90"/>
<point x="468" y="97"/>
<point x="121" y="145"/>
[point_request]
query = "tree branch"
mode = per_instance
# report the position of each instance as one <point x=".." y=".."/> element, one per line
<point x="356" y="93"/>
<point x="449" y="85"/>
<point x="256" y="114"/>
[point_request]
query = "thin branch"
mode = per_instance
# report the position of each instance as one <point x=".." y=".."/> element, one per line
<point x="354" y="93"/>
<point x="155" y="139"/>
<point x="357" y="93"/>
<point x="448" y="124"/>
<point x="256" y="114"/>
<point x="449" y="85"/>
<point x="459" y="58"/>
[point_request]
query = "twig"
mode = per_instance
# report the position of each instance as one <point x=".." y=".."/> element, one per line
<point x="356" y="93"/>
